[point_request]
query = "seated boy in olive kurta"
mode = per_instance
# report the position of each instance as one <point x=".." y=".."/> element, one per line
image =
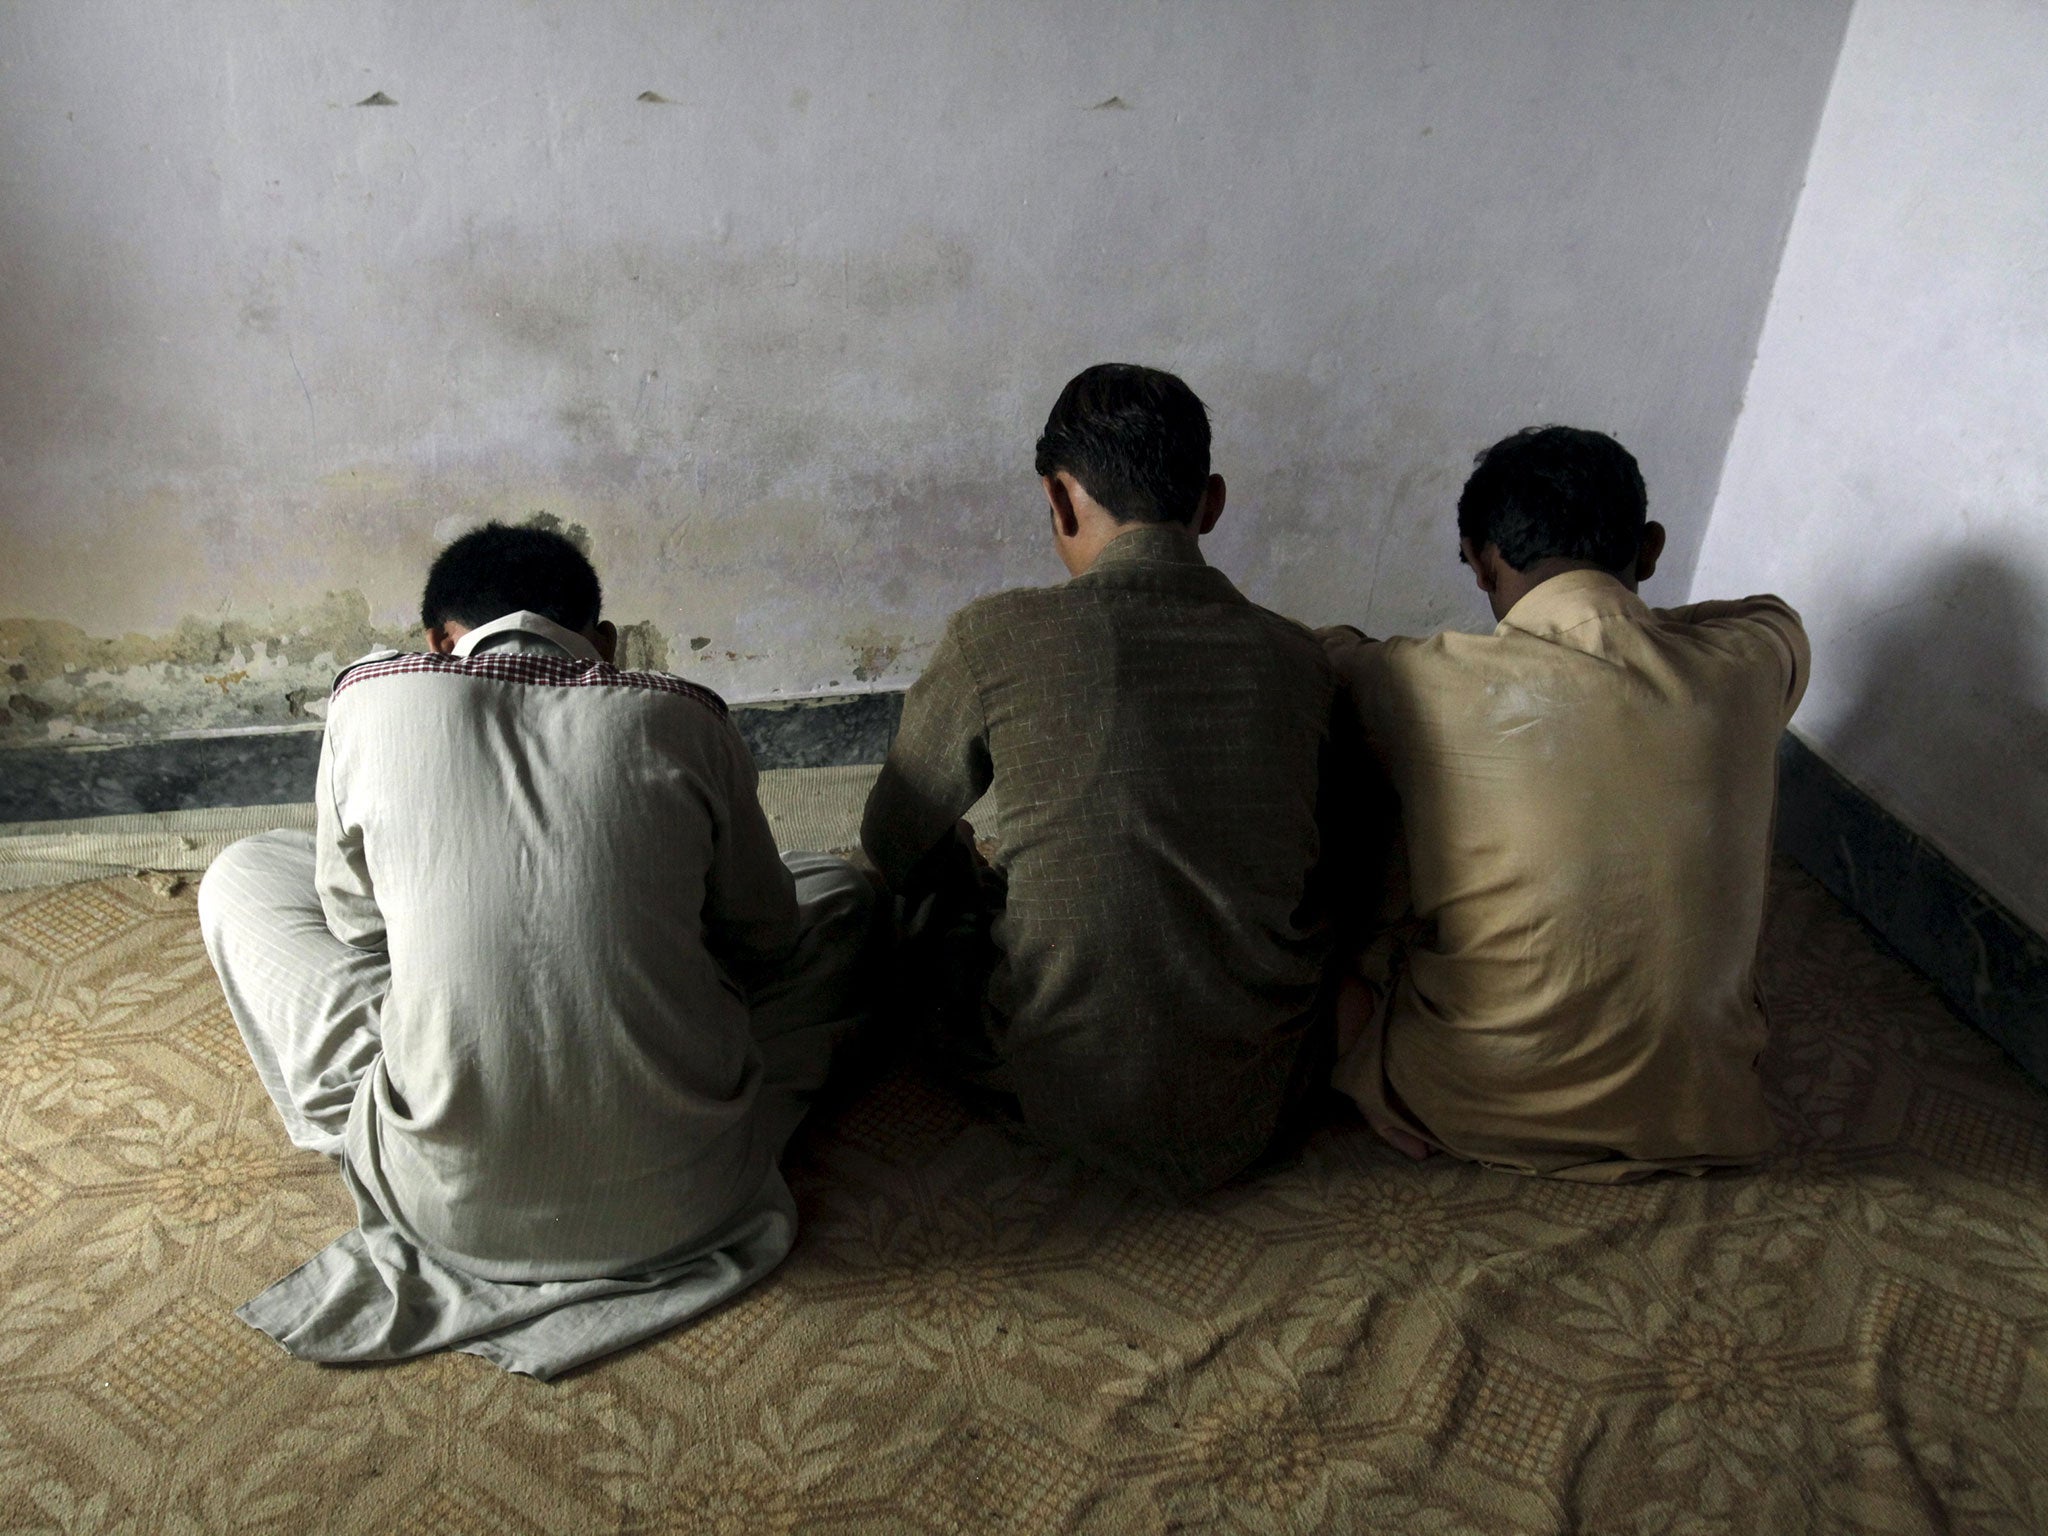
<point x="1153" y="742"/>
<point x="1586" y="798"/>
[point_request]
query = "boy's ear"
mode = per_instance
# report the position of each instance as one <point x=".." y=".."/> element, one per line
<point x="440" y="641"/>
<point x="1211" y="508"/>
<point x="1066" y="522"/>
<point x="1649" y="551"/>
<point x="605" y="636"/>
<point x="1482" y="563"/>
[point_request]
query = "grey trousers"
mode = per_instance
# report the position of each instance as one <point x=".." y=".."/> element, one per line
<point x="307" y="1007"/>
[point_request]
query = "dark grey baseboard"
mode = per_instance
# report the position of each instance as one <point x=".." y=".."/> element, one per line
<point x="833" y="731"/>
<point x="178" y="774"/>
<point x="1992" y="968"/>
<point x="59" y="783"/>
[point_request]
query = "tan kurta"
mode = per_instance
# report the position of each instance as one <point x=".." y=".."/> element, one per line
<point x="1587" y="798"/>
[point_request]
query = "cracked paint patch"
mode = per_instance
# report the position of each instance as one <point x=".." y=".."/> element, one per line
<point x="59" y="683"/>
<point x="874" y="653"/>
<point x="235" y="673"/>
<point x="642" y="648"/>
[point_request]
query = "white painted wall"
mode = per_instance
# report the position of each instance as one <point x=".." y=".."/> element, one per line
<point x="1889" y="474"/>
<point x="782" y="343"/>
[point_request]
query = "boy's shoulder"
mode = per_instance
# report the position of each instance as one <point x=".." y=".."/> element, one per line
<point x="996" y="612"/>
<point x="997" y="617"/>
<point x="520" y="670"/>
<point x="993" y="609"/>
<point x="1354" y="652"/>
<point x="989" y="631"/>
<point x="1289" y="633"/>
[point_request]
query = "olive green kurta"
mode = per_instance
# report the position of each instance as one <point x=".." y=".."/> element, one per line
<point x="1153" y="740"/>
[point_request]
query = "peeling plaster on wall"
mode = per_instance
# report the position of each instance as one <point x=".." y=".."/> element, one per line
<point x="58" y="683"/>
<point x="781" y="345"/>
<point x="642" y="648"/>
<point x="63" y="684"/>
<point x="875" y="653"/>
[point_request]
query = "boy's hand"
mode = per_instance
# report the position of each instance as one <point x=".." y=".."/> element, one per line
<point x="1357" y="1001"/>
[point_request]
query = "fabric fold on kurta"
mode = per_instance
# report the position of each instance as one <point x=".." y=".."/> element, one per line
<point x="373" y="1295"/>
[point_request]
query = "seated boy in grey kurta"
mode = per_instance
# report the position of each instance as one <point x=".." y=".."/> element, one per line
<point x="540" y="983"/>
<point x="1153" y="743"/>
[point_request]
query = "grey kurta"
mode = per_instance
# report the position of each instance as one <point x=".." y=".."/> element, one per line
<point x="1154" y="743"/>
<point x="548" y="999"/>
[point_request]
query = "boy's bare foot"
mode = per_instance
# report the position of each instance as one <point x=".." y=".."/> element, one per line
<point x="1406" y="1143"/>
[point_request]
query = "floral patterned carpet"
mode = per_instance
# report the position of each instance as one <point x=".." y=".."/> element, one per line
<point x="974" y="1337"/>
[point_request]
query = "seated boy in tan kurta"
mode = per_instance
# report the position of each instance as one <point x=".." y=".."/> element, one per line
<point x="1586" y="797"/>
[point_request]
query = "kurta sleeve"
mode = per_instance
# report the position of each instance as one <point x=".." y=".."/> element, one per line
<point x="750" y="914"/>
<point x="938" y="767"/>
<point x="341" y="873"/>
<point x="1771" y="617"/>
<point x="1344" y="644"/>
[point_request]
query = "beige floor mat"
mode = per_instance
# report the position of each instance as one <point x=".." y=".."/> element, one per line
<point x="972" y="1336"/>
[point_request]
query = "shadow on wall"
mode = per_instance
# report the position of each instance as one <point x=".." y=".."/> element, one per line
<point x="1948" y="717"/>
<point x="1949" y="723"/>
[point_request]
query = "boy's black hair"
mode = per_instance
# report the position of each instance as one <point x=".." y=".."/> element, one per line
<point x="1553" y="492"/>
<point x="1137" y="438"/>
<point x="494" y="570"/>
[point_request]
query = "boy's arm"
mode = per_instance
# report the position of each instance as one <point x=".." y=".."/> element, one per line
<point x="341" y="871"/>
<point x="1376" y="912"/>
<point x="1771" y="616"/>
<point x="1348" y="648"/>
<point x="938" y="767"/>
<point x="750" y="916"/>
<point x="1355" y="811"/>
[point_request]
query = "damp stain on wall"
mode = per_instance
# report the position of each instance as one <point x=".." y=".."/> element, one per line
<point x="874" y="653"/>
<point x="62" y="683"/>
<point x="642" y="647"/>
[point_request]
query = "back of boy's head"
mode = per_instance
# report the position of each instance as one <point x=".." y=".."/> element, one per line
<point x="495" y="570"/>
<point x="1556" y="493"/>
<point x="1136" y="438"/>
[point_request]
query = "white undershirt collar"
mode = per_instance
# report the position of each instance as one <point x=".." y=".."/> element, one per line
<point x="532" y="624"/>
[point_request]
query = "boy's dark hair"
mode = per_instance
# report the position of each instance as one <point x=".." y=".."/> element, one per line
<point x="1550" y="492"/>
<point x="1137" y="438"/>
<point x="494" y="570"/>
